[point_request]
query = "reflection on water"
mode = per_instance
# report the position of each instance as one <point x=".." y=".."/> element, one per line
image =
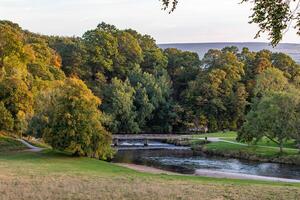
<point x="183" y="161"/>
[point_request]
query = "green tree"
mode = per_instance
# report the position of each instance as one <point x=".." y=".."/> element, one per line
<point x="183" y="67"/>
<point x="11" y="41"/>
<point x="217" y="93"/>
<point x="74" y="123"/>
<point x="101" y="48"/>
<point x="118" y="104"/>
<point x="275" y="116"/>
<point x="286" y="64"/>
<point x="271" y="80"/>
<point x="18" y="100"/>
<point x="129" y="54"/>
<point x="73" y="53"/>
<point x="6" y="119"/>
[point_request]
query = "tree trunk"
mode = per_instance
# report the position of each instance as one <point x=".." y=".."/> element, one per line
<point x="281" y="146"/>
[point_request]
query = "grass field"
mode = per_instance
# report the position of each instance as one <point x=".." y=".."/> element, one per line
<point x="253" y="149"/>
<point x="231" y="136"/>
<point x="55" y="175"/>
<point x="268" y="142"/>
<point x="51" y="175"/>
<point x="227" y="134"/>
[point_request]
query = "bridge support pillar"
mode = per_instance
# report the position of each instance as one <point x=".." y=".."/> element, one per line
<point x="116" y="142"/>
<point x="146" y="142"/>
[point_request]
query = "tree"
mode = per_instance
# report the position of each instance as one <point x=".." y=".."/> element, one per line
<point x="129" y="54"/>
<point x="275" y="17"/>
<point x="74" y="122"/>
<point x="11" y="41"/>
<point x="286" y="64"/>
<point x="101" y="47"/>
<point x="217" y="93"/>
<point x="153" y="57"/>
<point x="118" y="104"/>
<point x="18" y="100"/>
<point x="169" y="4"/>
<point x="73" y="53"/>
<point x="271" y="80"/>
<point x="183" y="67"/>
<point x="6" y="119"/>
<point x="275" y="116"/>
<point x="146" y="95"/>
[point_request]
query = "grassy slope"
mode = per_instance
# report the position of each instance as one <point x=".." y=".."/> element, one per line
<point x="39" y="144"/>
<point x="10" y="144"/>
<point x="50" y="175"/>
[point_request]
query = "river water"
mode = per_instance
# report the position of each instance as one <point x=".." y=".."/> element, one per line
<point x="182" y="160"/>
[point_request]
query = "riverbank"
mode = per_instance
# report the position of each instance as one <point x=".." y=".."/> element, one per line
<point x="207" y="173"/>
<point x="223" y="144"/>
<point x="252" y="153"/>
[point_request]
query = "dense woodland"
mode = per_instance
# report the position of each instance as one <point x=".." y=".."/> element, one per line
<point x="75" y="91"/>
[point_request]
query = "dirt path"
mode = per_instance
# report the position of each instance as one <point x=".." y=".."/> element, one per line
<point x="31" y="147"/>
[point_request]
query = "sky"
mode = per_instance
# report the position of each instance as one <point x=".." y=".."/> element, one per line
<point x="193" y="21"/>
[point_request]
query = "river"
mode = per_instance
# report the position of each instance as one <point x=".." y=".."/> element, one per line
<point x="181" y="160"/>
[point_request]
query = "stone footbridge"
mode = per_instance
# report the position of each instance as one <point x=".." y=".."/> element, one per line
<point x="146" y="137"/>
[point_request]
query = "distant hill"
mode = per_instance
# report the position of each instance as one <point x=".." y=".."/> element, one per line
<point x="201" y="48"/>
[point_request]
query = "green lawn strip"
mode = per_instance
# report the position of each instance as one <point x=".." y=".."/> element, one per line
<point x="49" y="163"/>
<point x="10" y="144"/>
<point x="252" y="149"/>
<point x="267" y="142"/>
<point x="228" y="134"/>
<point x="231" y="136"/>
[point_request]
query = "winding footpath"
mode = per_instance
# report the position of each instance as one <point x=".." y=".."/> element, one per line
<point x="31" y="147"/>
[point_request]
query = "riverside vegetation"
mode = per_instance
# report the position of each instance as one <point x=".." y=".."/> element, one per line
<point x="73" y="92"/>
<point x="265" y="150"/>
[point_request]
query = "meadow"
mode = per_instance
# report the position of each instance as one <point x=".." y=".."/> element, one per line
<point x="55" y="175"/>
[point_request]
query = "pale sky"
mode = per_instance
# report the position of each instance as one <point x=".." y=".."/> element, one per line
<point x="193" y="20"/>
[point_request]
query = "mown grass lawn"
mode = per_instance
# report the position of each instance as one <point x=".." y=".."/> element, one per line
<point x="251" y="149"/>
<point x="221" y="134"/>
<point x="231" y="136"/>
<point x="270" y="143"/>
<point x="53" y="175"/>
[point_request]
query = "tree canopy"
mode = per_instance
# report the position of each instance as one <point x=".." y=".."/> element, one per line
<point x="73" y="92"/>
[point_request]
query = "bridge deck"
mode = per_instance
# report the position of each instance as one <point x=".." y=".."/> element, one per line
<point x="149" y="136"/>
